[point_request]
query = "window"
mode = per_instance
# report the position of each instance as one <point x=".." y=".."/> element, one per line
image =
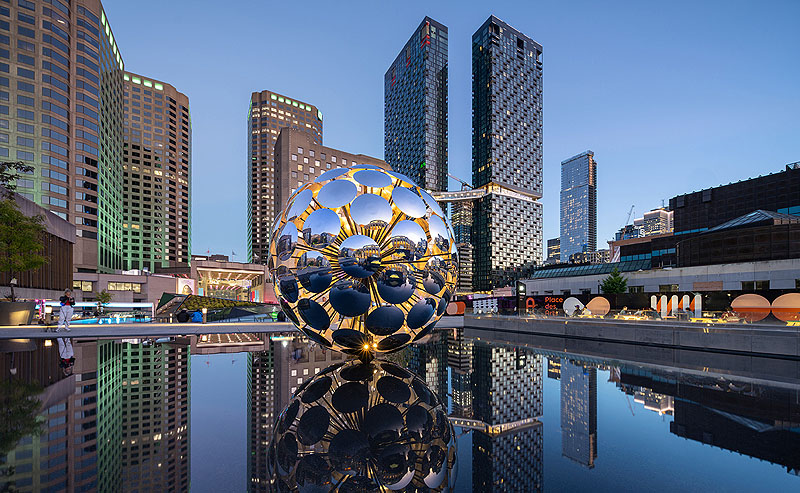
<point x="636" y="289"/>
<point x="755" y="285"/>
<point x="83" y="286"/>
<point x="125" y="286"/>
<point x="667" y="288"/>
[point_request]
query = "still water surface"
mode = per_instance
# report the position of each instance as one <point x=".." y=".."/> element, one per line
<point x="188" y="413"/>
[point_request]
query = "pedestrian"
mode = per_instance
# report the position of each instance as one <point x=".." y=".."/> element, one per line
<point x="66" y="311"/>
<point x="66" y="354"/>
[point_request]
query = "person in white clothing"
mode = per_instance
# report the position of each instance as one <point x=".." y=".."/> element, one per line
<point x="66" y="354"/>
<point x="66" y="311"/>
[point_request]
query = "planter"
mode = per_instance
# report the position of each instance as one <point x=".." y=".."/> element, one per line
<point x="17" y="312"/>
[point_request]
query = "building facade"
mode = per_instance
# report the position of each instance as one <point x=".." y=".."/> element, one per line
<point x="300" y="159"/>
<point x="61" y="112"/>
<point x="506" y="153"/>
<point x="553" y="251"/>
<point x="269" y="112"/>
<point x="157" y="154"/>
<point x="578" y="205"/>
<point x="699" y="211"/>
<point x="415" y="108"/>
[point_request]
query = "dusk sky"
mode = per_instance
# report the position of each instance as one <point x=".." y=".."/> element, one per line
<point x="671" y="96"/>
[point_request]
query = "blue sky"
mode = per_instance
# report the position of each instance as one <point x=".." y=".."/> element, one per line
<point x="671" y="96"/>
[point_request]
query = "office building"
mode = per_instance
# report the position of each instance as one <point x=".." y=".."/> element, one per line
<point x="506" y="153"/>
<point x="415" y="108"/>
<point x="299" y="158"/>
<point x="157" y="154"/>
<point x="553" y="251"/>
<point x="61" y="112"/>
<point x="579" y="413"/>
<point x="578" y="205"/>
<point x="269" y="112"/>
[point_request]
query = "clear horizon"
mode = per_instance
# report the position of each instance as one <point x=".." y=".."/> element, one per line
<point x="672" y="98"/>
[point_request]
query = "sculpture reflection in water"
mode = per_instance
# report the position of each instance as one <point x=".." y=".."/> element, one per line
<point x="363" y="261"/>
<point x="363" y="426"/>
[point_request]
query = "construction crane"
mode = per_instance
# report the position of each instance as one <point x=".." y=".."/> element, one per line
<point x="628" y="221"/>
<point x="463" y="183"/>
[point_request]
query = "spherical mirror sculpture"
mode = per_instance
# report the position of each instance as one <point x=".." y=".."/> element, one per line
<point x="363" y="261"/>
<point x="363" y="426"/>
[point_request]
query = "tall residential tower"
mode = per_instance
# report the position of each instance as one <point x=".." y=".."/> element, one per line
<point x="270" y="112"/>
<point x="415" y="108"/>
<point x="156" y="227"/>
<point x="506" y="153"/>
<point x="578" y="205"/>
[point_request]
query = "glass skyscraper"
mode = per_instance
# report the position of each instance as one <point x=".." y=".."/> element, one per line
<point x="578" y="205"/>
<point x="506" y="153"/>
<point x="415" y="108"/>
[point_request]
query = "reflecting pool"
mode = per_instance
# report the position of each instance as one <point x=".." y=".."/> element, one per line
<point x="197" y="413"/>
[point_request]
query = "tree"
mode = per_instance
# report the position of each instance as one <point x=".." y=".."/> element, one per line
<point x="103" y="298"/>
<point x="615" y="283"/>
<point x="20" y="241"/>
<point x="10" y="171"/>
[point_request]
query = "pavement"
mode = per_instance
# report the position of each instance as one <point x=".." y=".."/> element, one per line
<point x="141" y="329"/>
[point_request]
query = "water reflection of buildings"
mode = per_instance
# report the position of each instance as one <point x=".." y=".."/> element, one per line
<point x="66" y="455"/>
<point x="429" y="361"/>
<point x="100" y="430"/>
<point x="579" y="412"/>
<point x="459" y="359"/>
<point x="272" y="377"/>
<point x="155" y="416"/>
<point x="507" y="396"/>
<point x="754" y="419"/>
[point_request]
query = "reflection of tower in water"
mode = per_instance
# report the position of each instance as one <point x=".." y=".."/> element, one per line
<point x="77" y="414"/>
<point x="429" y="361"/>
<point x="155" y="416"/>
<point x="459" y="359"/>
<point x="507" y="396"/>
<point x="272" y="377"/>
<point x="579" y="412"/>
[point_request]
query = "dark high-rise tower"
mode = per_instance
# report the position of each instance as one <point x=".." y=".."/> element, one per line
<point x="578" y="205"/>
<point x="506" y="153"/>
<point x="415" y="108"/>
